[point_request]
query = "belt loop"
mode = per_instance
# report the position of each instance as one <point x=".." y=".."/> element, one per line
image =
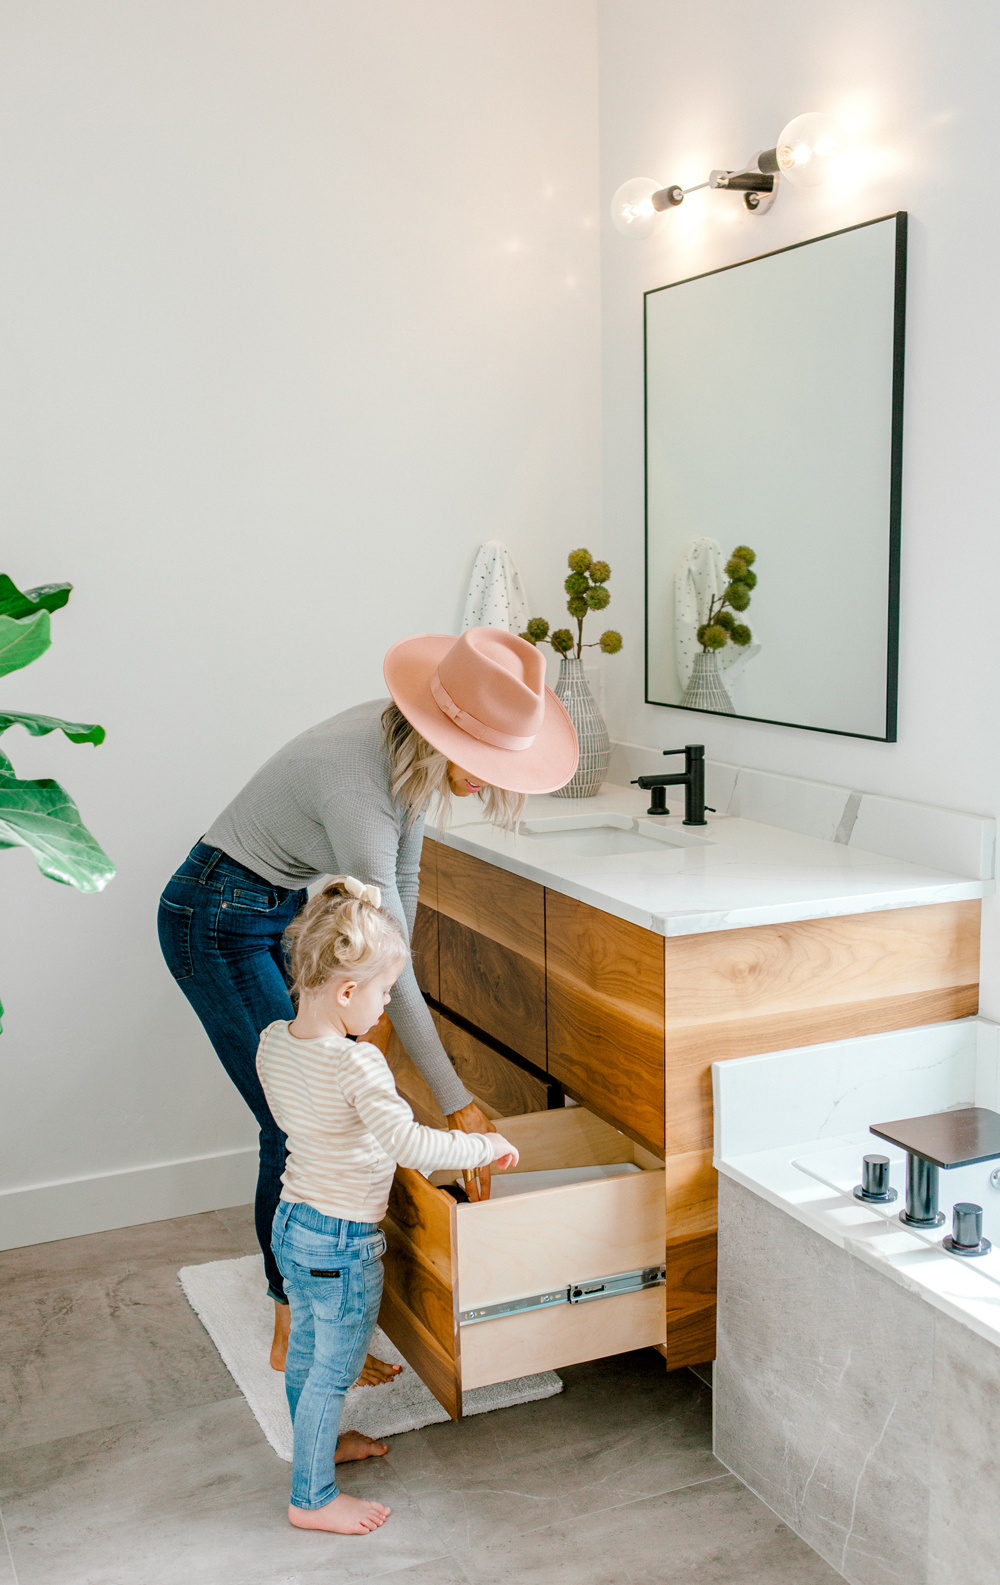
<point x="342" y="1240"/>
<point x="209" y="867"/>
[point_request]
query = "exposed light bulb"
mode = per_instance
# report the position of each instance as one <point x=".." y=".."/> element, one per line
<point x="808" y="148"/>
<point x="632" y="207"/>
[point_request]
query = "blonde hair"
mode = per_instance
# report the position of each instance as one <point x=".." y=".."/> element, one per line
<point x="336" y="935"/>
<point x="416" y="771"/>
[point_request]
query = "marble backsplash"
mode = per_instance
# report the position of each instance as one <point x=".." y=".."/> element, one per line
<point x="945" y="839"/>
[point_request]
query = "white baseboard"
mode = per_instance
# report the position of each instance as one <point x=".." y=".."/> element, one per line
<point x="47" y="1211"/>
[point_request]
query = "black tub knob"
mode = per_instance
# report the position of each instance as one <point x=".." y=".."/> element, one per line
<point x="874" y="1185"/>
<point x="966" y="1237"/>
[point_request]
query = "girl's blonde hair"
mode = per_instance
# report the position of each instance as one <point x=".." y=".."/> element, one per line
<point x="416" y="770"/>
<point x="338" y="936"/>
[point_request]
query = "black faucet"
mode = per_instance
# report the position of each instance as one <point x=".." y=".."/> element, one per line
<point x="692" y="779"/>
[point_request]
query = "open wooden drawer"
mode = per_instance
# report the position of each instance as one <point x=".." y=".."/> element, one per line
<point x="545" y="1258"/>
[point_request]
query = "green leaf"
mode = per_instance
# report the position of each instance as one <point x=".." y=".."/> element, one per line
<point x="22" y="640"/>
<point x="41" y="816"/>
<point x="45" y="597"/>
<point x="40" y="725"/>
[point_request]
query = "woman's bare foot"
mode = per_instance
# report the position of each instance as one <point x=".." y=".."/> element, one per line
<point x="344" y="1515"/>
<point x="354" y="1444"/>
<point x="282" y="1327"/>
<point x="376" y="1373"/>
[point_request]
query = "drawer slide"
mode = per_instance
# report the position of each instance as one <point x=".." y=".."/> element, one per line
<point x="575" y="1293"/>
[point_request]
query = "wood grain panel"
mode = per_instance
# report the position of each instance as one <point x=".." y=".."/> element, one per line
<point x="428" y="893"/>
<point x="505" y="908"/>
<point x="419" y="1310"/>
<point x="506" y="1088"/>
<point x="494" y="988"/>
<point x="426" y="952"/>
<point x="734" y="993"/>
<point x="692" y="1274"/>
<point x="692" y="1195"/>
<point x="520" y="1345"/>
<point x="605" y="1015"/>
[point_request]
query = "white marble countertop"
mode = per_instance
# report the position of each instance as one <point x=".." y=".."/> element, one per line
<point x="730" y="874"/>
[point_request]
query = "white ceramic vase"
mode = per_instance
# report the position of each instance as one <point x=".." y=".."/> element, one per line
<point x="592" y="734"/>
<point x="706" y="690"/>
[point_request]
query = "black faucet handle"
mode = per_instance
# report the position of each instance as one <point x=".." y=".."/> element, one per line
<point x="695" y="750"/>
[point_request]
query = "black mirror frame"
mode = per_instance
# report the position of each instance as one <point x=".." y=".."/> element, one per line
<point x="895" y="479"/>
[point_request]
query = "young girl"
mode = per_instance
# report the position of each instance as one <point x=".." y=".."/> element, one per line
<point x="347" y="1129"/>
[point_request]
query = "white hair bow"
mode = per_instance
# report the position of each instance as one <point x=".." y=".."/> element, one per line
<point x="367" y="894"/>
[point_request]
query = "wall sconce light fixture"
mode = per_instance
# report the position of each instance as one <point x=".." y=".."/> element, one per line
<point x="805" y="154"/>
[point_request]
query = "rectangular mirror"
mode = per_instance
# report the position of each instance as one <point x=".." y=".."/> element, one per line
<point x="774" y="417"/>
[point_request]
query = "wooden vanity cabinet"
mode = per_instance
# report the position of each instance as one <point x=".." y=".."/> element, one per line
<point x="630" y="1022"/>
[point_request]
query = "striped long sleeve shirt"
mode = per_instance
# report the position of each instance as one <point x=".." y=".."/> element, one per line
<point x="347" y="1125"/>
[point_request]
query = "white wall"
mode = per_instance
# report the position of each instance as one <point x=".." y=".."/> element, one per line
<point x="298" y="304"/>
<point x="686" y="88"/>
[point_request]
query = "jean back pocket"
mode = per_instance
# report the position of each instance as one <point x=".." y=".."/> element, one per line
<point x="174" y="928"/>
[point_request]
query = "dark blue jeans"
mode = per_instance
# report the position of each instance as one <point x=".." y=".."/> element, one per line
<point x="220" y="931"/>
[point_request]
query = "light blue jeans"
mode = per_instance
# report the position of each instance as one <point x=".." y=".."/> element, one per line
<point x="332" y="1271"/>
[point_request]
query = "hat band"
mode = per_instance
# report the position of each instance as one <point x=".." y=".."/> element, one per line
<point x="469" y="723"/>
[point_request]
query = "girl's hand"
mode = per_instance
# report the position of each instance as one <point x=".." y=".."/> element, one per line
<point x="504" y="1154"/>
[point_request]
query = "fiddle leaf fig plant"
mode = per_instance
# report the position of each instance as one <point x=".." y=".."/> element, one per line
<point x="40" y="815"/>
<point x="721" y="627"/>
<point x="586" y="587"/>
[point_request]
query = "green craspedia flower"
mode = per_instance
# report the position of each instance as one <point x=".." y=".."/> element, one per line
<point x="727" y="620"/>
<point x="736" y="567"/>
<point x="749" y="578"/>
<point x="611" y="642"/>
<point x="579" y="560"/>
<point x="576" y="583"/>
<point x="538" y="629"/>
<point x="738" y="596"/>
<point x="526" y="636"/>
<point x="701" y="632"/>
<point x="715" y="637"/>
<point x="740" y="634"/>
<point x="600" y="572"/>
<point x="745" y="554"/>
<point x="576" y="605"/>
<point x="598" y="598"/>
<point x="562" y="640"/>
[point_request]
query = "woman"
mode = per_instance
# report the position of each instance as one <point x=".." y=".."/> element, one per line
<point x="469" y="716"/>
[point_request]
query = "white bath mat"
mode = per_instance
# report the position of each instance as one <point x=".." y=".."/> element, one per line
<point x="230" y="1299"/>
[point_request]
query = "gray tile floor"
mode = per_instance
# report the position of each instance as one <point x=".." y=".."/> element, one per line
<point x="128" y="1457"/>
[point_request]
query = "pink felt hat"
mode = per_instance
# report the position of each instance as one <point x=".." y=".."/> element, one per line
<point x="481" y="699"/>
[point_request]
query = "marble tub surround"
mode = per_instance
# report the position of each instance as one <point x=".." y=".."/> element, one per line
<point x="857" y="1360"/>
<point x="866" y="1419"/>
<point x="742" y="871"/>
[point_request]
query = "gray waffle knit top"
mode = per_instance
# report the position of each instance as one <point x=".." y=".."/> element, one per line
<point x="322" y="806"/>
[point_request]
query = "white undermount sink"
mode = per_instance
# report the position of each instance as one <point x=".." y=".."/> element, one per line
<point x="605" y="834"/>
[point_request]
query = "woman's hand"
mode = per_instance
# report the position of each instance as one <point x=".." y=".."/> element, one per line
<point x="471" y="1120"/>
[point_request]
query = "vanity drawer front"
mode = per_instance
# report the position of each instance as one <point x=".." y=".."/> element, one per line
<point x="491" y="933"/>
<point x="444" y="1258"/>
<point x="605" y="1015"/>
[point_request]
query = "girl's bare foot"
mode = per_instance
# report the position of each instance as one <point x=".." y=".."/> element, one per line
<point x="344" y="1516"/>
<point x="354" y="1444"/>
<point x="376" y="1373"/>
<point x="282" y="1327"/>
